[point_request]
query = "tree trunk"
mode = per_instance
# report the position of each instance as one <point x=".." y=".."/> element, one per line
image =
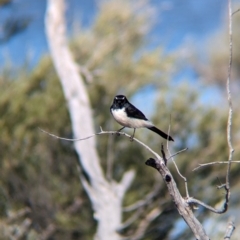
<point x="106" y="197"/>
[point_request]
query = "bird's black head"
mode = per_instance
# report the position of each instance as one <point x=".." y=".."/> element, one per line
<point x="119" y="101"/>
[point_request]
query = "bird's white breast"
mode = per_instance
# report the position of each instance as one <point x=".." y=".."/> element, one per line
<point x="121" y="117"/>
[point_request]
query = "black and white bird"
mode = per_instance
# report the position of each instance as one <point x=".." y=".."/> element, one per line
<point x="129" y="116"/>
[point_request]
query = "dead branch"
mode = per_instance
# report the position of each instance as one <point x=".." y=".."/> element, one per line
<point x="175" y="154"/>
<point x="236" y="11"/>
<point x="226" y="186"/>
<point x="171" y="157"/>
<point x="182" y="205"/>
<point x="230" y="112"/>
<point x="200" y="165"/>
<point x="184" y="178"/>
<point x="102" y="132"/>
<point x="149" y="197"/>
<point x="194" y="201"/>
<point x="184" y="208"/>
<point x="153" y="214"/>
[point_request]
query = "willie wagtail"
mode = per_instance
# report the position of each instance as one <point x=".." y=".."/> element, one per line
<point x="129" y="116"/>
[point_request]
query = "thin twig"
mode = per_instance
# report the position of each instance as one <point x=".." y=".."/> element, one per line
<point x="144" y="223"/>
<point x="230" y="112"/>
<point x="236" y="11"/>
<point x="171" y="157"/>
<point x="183" y="150"/>
<point x="191" y="200"/>
<point x="226" y="186"/>
<point x="213" y="163"/>
<point x="184" y="178"/>
<point x="102" y="133"/>
<point x="69" y="139"/>
<point x="184" y="209"/>
<point x="149" y="197"/>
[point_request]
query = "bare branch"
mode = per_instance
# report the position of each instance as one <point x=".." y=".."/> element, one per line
<point x="236" y="11"/>
<point x="230" y="112"/>
<point x="229" y="126"/>
<point x="145" y="223"/>
<point x="226" y="186"/>
<point x="213" y="163"/>
<point x="139" y="206"/>
<point x="183" y="207"/>
<point x="192" y="200"/>
<point x="229" y="132"/>
<point x="175" y="154"/>
<point x="149" y="197"/>
<point x="68" y="139"/>
<point x="185" y="179"/>
<point x="171" y="157"/>
<point x="102" y="133"/>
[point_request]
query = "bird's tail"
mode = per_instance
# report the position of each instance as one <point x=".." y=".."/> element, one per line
<point x="161" y="133"/>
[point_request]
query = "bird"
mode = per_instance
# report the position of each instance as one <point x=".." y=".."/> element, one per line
<point x="129" y="116"/>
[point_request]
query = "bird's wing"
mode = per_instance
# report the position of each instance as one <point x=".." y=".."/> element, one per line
<point x="133" y="112"/>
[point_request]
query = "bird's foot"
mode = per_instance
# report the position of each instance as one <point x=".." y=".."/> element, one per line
<point x="131" y="139"/>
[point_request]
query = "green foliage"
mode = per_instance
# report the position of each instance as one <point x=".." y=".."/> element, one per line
<point x="40" y="172"/>
<point x="36" y="170"/>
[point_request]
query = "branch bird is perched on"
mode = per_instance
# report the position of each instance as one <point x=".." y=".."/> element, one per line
<point x="129" y="116"/>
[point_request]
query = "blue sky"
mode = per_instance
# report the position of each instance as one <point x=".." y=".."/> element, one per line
<point x="177" y="21"/>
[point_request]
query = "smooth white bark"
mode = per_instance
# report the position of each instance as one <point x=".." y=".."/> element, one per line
<point x="106" y="197"/>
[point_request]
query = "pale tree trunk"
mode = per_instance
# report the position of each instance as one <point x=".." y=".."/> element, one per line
<point x="106" y="197"/>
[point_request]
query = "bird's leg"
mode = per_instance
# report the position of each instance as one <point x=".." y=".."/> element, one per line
<point x="131" y="138"/>
<point x="118" y="134"/>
